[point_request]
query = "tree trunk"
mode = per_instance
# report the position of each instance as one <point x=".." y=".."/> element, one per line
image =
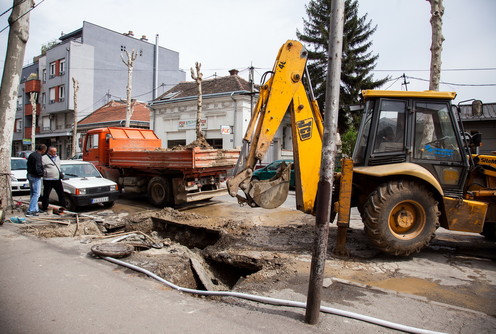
<point x="18" y="37"/>
<point x="437" y="12"/>
<point x="131" y="57"/>
<point x="198" y="76"/>
<point x="75" y="84"/>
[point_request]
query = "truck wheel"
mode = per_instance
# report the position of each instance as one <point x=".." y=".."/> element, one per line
<point x="400" y="217"/>
<point x="69" y="203"/>
<point x="159" y="191"/>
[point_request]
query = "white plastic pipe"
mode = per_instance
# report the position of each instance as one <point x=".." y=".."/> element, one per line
<point x="274" y="301"/>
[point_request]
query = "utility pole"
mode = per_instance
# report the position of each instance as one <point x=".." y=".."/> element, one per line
<point x="437" y="12"/>
<point x="75" y="85"/>
<point x="405" y="83"/>
<point x="16" y="47"/>
<point x="131" y="57"/>
<point x="33" y="96"/>
<point x="198" y="77"/>
<point x="329" y="150"/>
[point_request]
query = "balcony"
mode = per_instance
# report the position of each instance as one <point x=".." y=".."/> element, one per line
<point x="28" y="109"/>
<point x="32" y="86"/>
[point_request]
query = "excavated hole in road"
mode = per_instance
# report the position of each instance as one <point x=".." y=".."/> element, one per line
<point x="226" y="270"/>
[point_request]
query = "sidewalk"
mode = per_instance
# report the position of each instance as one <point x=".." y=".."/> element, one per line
<point x="54" y="286"/>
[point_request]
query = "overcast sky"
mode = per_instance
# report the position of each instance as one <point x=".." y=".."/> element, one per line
<point x="226" y="34"/>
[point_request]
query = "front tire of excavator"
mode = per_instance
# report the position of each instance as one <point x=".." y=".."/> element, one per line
<point x="401" y="217"/>
<point x="159" y="191"/>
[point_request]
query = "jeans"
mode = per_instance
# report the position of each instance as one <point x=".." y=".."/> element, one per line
<point x="34" y="192"/>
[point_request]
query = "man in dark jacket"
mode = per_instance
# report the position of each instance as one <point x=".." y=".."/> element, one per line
<point x="35" y="173"/>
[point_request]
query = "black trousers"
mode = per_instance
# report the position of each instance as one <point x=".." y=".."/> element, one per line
<point x="48" y="185"/>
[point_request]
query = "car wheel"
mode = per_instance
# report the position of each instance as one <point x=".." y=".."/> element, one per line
<point x="108" y="205"/>
<point x="69" y="203"/>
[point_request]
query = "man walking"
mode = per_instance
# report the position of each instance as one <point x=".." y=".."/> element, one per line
<point x="51" y="177"/>
<point x="35" y="173"/>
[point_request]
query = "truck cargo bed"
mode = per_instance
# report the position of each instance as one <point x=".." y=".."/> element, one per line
<point x="187" y="159"/>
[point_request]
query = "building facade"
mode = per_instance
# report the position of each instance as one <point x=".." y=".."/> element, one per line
<point x="94" y="56"/>
<point x="483" y="122"/>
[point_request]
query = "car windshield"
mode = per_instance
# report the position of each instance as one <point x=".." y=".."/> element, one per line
<point x="18" y="164"/>
<point x="79" y="170"/>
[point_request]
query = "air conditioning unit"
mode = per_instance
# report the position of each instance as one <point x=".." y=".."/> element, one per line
<point x="51" y="116"/>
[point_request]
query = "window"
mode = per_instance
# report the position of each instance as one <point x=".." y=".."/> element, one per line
<point x="45" y="123"/>
<point x="390" y="135"/>
<point x="43" y="99"/>
<point x="172" y="143"/>
<point x="361" y="144"/>
<point x="52" y="95"/>
<point x="62" y="66"/>
<point x="53" y="68"/>
<point x="19" y="103"/>
<point x="61" y="93"/>
<point x="215" y="143"/>
<point x="44" y="75"/>
<point x="435" y="133"/>
<point x="18" y="125"/>
<point x="92" y="141"/>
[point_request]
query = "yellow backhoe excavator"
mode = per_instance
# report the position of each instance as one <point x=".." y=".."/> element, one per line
<point x="412" y="170"/>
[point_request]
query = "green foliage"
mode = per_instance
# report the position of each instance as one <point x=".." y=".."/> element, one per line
<point x="357" y="59"/>
<point x="48" y="45"/>
<point x="348" y="140"/>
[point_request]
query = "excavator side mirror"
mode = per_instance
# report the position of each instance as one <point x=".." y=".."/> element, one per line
<point x="477" y="108"/>
<point x="477" y="139"/>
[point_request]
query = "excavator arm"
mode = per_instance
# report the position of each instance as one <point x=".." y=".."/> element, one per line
<point x="283" y="93"/>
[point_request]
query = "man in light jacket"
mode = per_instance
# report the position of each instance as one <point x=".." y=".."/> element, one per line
<point x="52" y="178"/>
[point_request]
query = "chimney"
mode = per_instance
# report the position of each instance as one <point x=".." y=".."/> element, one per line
<point x="144" y="39"/>
<point x="233" y="72"/>
<point x="130" y="33"/>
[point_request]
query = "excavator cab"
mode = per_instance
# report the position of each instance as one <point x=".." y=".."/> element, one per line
<point x="413" y="127"/>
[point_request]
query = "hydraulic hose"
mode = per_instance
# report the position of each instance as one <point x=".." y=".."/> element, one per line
<point x="274" y="301"/>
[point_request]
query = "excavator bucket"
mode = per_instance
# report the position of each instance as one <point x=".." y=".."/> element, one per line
<point x="270" y="194"/>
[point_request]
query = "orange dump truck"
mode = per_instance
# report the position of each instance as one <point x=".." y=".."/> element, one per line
<point x="135" y="160"/>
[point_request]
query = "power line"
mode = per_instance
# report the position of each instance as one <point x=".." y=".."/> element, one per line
<point x="456" y="84"/>
<point x="442" y="70"/>
<point x="17" y="4"/>
<point x="33" y="7"/>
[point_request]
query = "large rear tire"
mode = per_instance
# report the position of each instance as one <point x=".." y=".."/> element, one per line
<point x="159" y="191"/>
<point x="401" y="217"/>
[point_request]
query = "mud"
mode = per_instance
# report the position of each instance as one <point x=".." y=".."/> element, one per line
<point x="219" y="245"/>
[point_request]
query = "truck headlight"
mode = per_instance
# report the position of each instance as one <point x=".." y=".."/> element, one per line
<point x="13" y="178"/>
<point x="113" y="188"/>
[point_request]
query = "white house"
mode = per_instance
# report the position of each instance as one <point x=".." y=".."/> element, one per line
<point x="227" y="107"/>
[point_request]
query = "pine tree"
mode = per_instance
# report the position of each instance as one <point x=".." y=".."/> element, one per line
<point x="357" y="59"/>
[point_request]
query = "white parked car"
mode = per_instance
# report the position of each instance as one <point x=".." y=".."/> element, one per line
<point x="18" y="171"/>
<point x="84" y="185"/>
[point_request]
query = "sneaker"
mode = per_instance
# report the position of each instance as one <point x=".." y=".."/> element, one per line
<point x="41" y="211"/>
<point x="31" y="214"/>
